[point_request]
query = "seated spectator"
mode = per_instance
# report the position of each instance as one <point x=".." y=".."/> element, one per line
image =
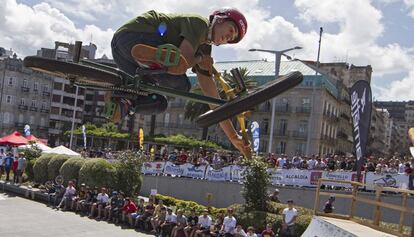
<point x="127" y="210"/>
<point x="192" y="221"/>
<point x="145" y="220"/>
<point x="158" y="219"/>
<point x="204" y="224"/>
<point x="115" y="212"/>
<point x="80" y="196"/>
<point x="289" y="215"/>
<point x="329" y="205"/>
<point x="86" y="204"/>
<point x="111" y="204"/>
<point x="239" y="232"/>
<point x="250" y="232"/>
<point x="140" y="211"/>
<point x="181" y="223"/>
<point x="67" y="197"/>
<point x="274" y="197"/>
<point x="101" y="201"/>
<point x="169" y="223"/>
<point x="55" y="194"/>
<point x="218" y="224"/>
<point x="229" y="224"/>
<point x="268" y="232"/>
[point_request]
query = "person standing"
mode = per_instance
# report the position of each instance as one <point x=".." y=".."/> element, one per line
<point x="289" y="216"/>
<point x="2" y="156"/>
<point x="8" y="164"/>
<point x="21" y="166"/>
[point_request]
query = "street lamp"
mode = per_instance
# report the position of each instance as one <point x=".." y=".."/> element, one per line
<point x="278" y="54"/>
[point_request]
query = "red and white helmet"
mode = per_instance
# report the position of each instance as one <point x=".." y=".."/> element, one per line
<point x="234" y="15"/>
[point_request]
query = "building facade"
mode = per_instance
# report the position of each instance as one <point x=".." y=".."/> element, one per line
<point x="25" y="98"/>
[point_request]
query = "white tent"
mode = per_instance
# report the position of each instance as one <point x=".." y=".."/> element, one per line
<point x="41" y="146"/>
<point x="62" y="150"/>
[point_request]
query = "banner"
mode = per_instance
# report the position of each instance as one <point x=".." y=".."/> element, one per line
<point x="387" y="180"/>
<point x="222" y="174"/>
<point x="361" y="103"/>
<point x="341" y="176"/>
<point x="237" y="173"/>
<point x="173" y="169"/>
<point x="153" y="167"/>
<point x="26" y="130"/>
<point x="254" y="128"/>
<point x="141" y="139"/>
<point x="292" y="177"/>
<point x="84" y="135"/>
<point x="195" y="172"/>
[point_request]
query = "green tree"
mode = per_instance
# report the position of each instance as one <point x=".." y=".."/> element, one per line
<point x="128" y="172"/>
<point x="255" y="185"/>
<point x="194" y="109"/>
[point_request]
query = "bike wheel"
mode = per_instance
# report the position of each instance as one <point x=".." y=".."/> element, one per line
<point x="244" y="103"/>
<point x="82" y="73"/>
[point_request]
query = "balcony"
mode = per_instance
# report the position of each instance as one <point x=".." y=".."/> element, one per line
<point x="175" y="125"/>
<point x="33" y="108"/>
<point x="281" y="108"/>
<point x="280" y="133"/>
<point x="42" y="128"/>
<point x="303" y="109"/>
<point x="23" y="107"/>
<point x="327" y="139"/>
<point x="45" y="93"/>
<point x="331" y="117"/>
<point x="346" y="100"/>
<point x="341" y="134"/>
<point x="25" y="89"/>
<point x="35" y="91"/>
<point x="46" y="111"/>
<point x="299" y="134"/>
<point x="345" y="116"/>
<point x="20" y="125"/>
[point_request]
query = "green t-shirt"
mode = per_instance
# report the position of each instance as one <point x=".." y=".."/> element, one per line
<point x="192" y="27"/>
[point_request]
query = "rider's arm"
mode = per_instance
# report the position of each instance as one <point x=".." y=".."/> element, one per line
<point x="209" y="88"/>
<point x="189" y="54"/>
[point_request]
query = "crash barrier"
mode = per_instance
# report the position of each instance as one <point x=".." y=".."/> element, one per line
<point x="288" y="177"/>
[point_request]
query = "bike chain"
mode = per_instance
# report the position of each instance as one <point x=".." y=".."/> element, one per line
<point x="114" y="88"/>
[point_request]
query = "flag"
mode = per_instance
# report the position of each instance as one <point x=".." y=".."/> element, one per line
<point x="361" y="105"/>
<point x="84" y="135"/>
<point x="26" y="130"/>
<point x="255" y="130"/>
<point x="141" y="139"/>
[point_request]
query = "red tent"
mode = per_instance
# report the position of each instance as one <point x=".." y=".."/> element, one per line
<point x="36" y="139"/>
<point x="14" y="139"/>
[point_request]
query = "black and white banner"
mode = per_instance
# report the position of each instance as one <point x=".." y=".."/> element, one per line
<point x="361" y="105"/>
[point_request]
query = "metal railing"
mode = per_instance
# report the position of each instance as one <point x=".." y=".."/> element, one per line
<point x="377" y="203"/>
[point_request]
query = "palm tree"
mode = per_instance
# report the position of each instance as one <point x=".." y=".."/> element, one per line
<point x="195" y="109"/>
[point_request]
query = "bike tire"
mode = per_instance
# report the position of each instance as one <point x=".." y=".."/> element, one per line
<point x="64" y="69"/>
<point x="244" y="103"/>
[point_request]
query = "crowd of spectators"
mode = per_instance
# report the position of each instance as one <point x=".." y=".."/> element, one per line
<point x="12" y="163"/>
<point x="152" y="216"/>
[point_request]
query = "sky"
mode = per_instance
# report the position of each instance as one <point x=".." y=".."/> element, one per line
<point x="379" y="33"/>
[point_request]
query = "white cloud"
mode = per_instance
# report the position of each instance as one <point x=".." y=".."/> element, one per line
<point x="26" y="29"/>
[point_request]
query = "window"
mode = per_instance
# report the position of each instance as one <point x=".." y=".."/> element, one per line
<point x="42" y="122"/>
<point x="56" y="98"/>
<point x="6" y="118"/>
<point x="31" y="119"/>
<point x="43" y="105"/>
<point x="22" y="102"/>
<point x="10" y="81"/>
<point x="9" y="99"/>
<point x="283" y="126"/>
<point x="35" y="86"/>
<point x="282" y="147"/>
<point x="306" y="102"/>
<point x="300" y="148"/>
<point x="303" y="126"/>
<point x="25" y="84"/>
<point x="265" y="126"/>
<point x="33" y="103"/>
<point x="167" y="119"/>
<point x="21" y="118"/>
<point x="46" y="88"/>
<point x="57" y="86"/>
<point x="180" y="119"/>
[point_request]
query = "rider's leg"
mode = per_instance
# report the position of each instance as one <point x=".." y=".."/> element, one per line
<point x="121" y="50"/>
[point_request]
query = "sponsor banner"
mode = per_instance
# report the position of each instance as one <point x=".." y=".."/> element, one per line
<point x="222" y="174"/>
<point x="340" y="176"/>
<point x="386" y="180"/>
<point x="361" y="103"/>
<point x="237" y="173"/>
<point x="192" y="171"/>
<point x="153" y="167"/>
<point x="291" y="177"/>
<point x="172" y="169"/>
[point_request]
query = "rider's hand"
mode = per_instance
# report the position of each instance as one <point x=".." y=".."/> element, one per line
<point x="241" y="145"/>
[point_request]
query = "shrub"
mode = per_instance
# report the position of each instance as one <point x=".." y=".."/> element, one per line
<point x="97" y="172"/>
<point x="128" y="172"/>
<point x="40" y="168"/>
<point x="54" y="165"/>
<point x="70" y="169"/>
<point x="255" y="185"/>
<point x="29" y="169"/>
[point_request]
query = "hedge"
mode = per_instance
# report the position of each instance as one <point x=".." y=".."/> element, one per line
<point x="54" y="165"/>
<point x="29" y="169"/>
<point x="97" y="172"/>
<point x="70" y="169"/>
<point x="40" y="168"/>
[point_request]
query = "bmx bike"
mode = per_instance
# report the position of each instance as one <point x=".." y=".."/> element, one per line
<point x="92" y="75"/>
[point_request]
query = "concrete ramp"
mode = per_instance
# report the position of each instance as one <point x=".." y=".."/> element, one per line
<point x="331" y="227"/>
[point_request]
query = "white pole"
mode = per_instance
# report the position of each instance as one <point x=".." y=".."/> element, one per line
<point x="73" y="117"/>
<point x="278" y="56"/>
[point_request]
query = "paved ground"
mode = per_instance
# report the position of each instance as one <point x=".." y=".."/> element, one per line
<point x="22" y="217"/>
